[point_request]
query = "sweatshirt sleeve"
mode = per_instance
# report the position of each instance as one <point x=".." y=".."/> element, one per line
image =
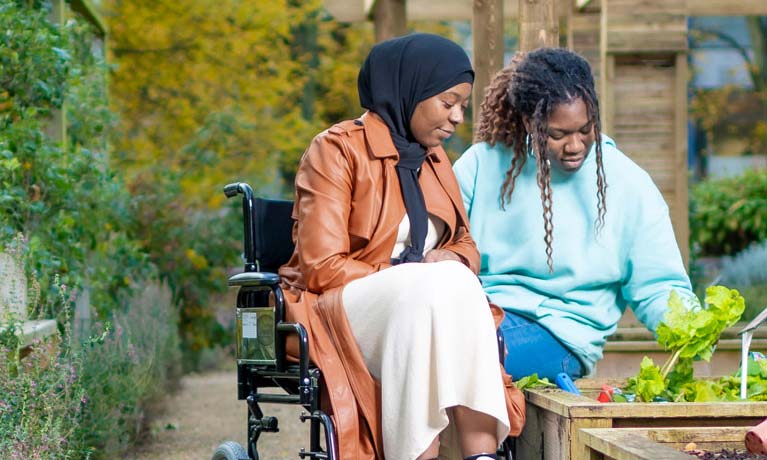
<point x="654" y="264"/>
<point x="465" y="169"/>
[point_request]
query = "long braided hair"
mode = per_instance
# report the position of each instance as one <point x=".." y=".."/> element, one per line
<point x="530" y="88"/>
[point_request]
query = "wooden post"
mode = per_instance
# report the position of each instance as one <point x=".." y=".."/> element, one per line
<point x="389" y="18"/>
<point x="538" y="24"/>
<point x="680" y="216"/>
<point x="487" y="46"/>
<point x="57" y="125"/>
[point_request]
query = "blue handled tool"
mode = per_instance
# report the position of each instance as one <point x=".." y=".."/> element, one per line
<point x="564" y="382"/>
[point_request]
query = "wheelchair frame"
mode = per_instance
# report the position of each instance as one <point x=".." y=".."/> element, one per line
<point x="302" y="381"/>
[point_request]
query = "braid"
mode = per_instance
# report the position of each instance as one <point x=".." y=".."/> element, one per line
<point x="592" y="103"/>
<point x="499" y="122"/>
<point x="544" y="178"/>
<point x="516" y="110"/>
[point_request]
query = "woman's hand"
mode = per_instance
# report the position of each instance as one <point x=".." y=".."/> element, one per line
<point x="438" y="255"/>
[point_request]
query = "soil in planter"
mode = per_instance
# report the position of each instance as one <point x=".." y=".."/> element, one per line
<point x="727" y="454"/>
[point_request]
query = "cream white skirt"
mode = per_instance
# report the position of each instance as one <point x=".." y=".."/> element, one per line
<point x="427" y="334"/>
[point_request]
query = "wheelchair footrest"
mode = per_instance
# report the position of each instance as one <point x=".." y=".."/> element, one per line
<point x="303" y="454"/>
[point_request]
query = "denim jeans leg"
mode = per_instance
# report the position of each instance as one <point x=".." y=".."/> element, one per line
<point x="532" y="349"/>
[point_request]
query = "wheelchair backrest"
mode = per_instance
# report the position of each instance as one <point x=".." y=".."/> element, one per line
<point x="273" y="232"/>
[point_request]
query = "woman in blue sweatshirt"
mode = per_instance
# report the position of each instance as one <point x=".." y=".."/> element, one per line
<point x="570" y="230"/>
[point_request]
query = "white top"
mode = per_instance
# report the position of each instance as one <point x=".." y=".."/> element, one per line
<point x="434" y="233"/>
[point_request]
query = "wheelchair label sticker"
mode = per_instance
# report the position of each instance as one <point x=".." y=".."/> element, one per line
<point x="249" y="325"/>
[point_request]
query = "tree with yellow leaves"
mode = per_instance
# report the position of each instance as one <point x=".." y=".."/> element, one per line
<point x="216" y="91"/>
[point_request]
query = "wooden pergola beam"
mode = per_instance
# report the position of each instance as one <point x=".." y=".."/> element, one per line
<point x="86" y="9"/>
<point x="359" y="10"/>
<point x="726" y="7"/>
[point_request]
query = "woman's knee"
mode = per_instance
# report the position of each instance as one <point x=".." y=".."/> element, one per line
<point x="450" y="278"/>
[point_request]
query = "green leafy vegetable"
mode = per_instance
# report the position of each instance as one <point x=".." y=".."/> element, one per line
<point x="690" y="332"/>
<point x="649" y="383"/>
<point x="533" y="381"/>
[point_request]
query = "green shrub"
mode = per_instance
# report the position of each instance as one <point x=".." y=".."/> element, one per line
<point x="89" y="398"/>
<point x="64" y="402"/>
<point x="747" y="272"/>
<point x="141" y="346"/>
<point x="42" y="400"/>
<point x="61" y="195"/>
<point x="726" y="215"/>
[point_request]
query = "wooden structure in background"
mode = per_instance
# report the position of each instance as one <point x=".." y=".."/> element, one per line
<point x="643" y="75"/>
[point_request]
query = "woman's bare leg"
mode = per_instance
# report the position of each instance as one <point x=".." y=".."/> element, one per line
<point x="432" y="451"/>
<point x="476" y="430"/>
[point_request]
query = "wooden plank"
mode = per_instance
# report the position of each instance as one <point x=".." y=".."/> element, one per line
<point x="609" y="441"/>
<point x="574" y="406"/>
<point x="726" y="7"/>
<point x="577" y="446"/>
<point x="487" y="43"/>
<point x="86" y="9"/>
<point x="607" y="101"/>
<point x="705" y="438"/>
<point x="357" y="10"/>
<point x="644" y="25"/>
<point x="649" y="121"/>
<point x="622" y="445"/>
<point x="538" y="24"/>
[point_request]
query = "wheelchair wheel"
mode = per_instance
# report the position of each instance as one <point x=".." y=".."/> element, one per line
<point x="230" y="450"/>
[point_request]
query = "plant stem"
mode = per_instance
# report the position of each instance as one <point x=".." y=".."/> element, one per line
<point x="670" y="363"/>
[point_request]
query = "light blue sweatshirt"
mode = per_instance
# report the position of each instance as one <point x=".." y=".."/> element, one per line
<point x="634" y="260"/>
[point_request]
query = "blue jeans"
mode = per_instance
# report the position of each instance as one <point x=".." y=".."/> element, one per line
<point x="533" y="349"/>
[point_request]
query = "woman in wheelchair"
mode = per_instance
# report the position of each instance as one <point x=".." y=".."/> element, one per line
<point x="384" y="271"/>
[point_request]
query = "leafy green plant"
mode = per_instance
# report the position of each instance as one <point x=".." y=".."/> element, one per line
<point x="42" y="400"/>
<point x="533" y="381"/>
<point x="727" y="215"/>
<point x="141" y="345"/>
<point x="61" y="195"/>
<point x="59" y="400"/>
<point x="689" y="331"/>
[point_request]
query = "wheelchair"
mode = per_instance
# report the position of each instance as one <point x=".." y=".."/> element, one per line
<point x="261" y="332"/>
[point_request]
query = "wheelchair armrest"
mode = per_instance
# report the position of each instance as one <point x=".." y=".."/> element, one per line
<point x="265" y="279"/>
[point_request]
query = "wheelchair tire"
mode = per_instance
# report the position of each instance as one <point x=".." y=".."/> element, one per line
<point x="230" y="450"/>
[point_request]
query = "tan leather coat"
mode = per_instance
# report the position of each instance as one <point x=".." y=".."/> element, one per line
<point x="348" y="207"/>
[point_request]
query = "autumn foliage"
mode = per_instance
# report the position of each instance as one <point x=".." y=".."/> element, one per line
<point x="214" y="91"/>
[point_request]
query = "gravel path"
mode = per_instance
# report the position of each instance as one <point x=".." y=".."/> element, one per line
<point x="205" y="412"/>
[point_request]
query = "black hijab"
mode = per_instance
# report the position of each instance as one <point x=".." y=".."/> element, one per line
<point x="396" y="76"/>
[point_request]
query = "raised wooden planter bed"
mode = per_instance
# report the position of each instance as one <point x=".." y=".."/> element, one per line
<point x="657" y="443"/>
<point x="555" y="418"/>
